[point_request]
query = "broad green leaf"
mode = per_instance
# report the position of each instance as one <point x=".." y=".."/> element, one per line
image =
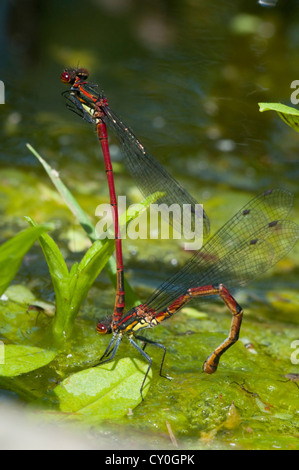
<point x="289" y="115"/>
<point x="78" y="284"/>
<point x="61" y="282"/>
<point x="13" y="251"/>
<point x="20" y="294"/>
<point x="89" y="269"/>
<point x="53" y="255"/>
<point x="104" y="392"/>
<point x="20" y="359"/>
<point x="57" y="267"/>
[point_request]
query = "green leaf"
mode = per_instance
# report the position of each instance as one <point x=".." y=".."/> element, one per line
<point x="79" y="282"/>
<point x="20" y="294"/>
<point x="289" y="115"/>
<point x="57" y="266"/>
<point x="20" y="359"/>
<point x="104" y="392"/>
<point x="61" y="281"/>
<point x="13" y="251"/>
<point x="90" y="267"/>
<point x="52" y="254"/>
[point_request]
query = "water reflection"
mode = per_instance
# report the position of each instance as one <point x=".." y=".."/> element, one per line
<point x="267" y="3"/>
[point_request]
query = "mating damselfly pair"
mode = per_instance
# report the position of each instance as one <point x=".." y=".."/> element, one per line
<point x="251" y="242"/>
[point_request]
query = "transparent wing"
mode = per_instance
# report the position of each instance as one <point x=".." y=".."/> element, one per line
<point x="246" y="246"/>
<point x="150" y="176"/>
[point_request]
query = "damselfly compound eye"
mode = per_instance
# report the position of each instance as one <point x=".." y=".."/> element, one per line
<point x="65" y="77"/>
<point x="102" y="329"/>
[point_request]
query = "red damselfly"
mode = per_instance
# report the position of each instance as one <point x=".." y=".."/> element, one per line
<point x="255" y="239"/>
<point x="81" y="75"/>
<point x="86" y="100"/>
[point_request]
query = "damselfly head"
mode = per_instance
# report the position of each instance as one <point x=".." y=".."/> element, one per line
<point x="69" y="76"/>
<point x="104" y="327"/>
